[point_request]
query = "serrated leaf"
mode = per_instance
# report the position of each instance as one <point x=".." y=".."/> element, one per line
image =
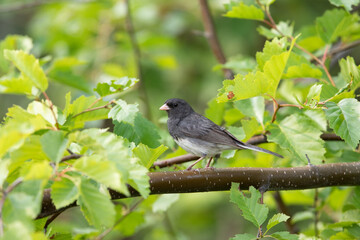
<point x="20" y="85"/>
<point x="303" y="71"/>
<point x="148" y="155"/>
<point x="244" y="11"/>
<point x="69" y="78"/>
<point x="244" y="236"/>
<point x="29" y="67"/>
<point x="115" y="85"/>
<point x="215" y="111"/>
<point x="103" y="171"/>
<point x="263" y="82"/>
<point x="251" y="209"/>
<point x="142" y="131"/>
<point x="347" y="4"/>
<point x="164" y="202"/>
<point x="54" y="144"/>
<point x="95" y="205"/>
<point x="275" y="220"/>
<point x="344" y="118"/>
<point x="350" y="72"/>
<point x="301" y="136"/>
<point x="332" y="23"/>
<point x="123" y="112"/>
<point x="43" y="109"/>
<point x="250" y="127"/>
<point x="313" y="96"/>
<point x="36" y="170"/>
<point x="64" y="192"/>
<point x="252" y="107"/>
<point x="139" y="179"/>
<point x="284" y="236"/>
<point x="13" y="42"/>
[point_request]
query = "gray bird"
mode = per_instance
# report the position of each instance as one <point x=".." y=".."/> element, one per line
<point x="199" y="135"/>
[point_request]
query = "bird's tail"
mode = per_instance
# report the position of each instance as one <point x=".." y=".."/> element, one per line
<point x="259" y="149"/>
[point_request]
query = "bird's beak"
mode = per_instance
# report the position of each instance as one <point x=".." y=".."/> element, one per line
<point x="164" y="107"/>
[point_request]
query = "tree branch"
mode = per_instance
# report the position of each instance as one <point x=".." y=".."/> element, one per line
<point x="268" y="179"/>
<point x="212" y="38"/>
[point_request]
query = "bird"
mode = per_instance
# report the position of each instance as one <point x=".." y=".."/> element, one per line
<point x="199" y="135"/>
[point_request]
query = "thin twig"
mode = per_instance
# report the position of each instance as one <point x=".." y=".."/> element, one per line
<point x="2" y="201"/>
<point x="52" y="110"/>
<point x="52" y="218"/>
<point x="71" y="156"/>
<point x="129" y="26"/>
<point x="94" y="109"/>
<point x="130" y="210"/>
<point x="212" y="38"/>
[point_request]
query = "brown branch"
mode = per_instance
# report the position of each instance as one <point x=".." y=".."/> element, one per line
<point x="71" y="156"/>
<point x="94" y="109"/>
<point x="129" y="26"/>
<point x="52" y="109"/>
<point x="212" y="38"/>
<point x="268" y="179"/>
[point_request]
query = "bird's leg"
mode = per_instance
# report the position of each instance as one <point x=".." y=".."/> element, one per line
<point x="208" y="163"/>
<point x="190" y="167"/>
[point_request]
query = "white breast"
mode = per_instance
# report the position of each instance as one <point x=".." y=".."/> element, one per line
<point x="199" y="147"/>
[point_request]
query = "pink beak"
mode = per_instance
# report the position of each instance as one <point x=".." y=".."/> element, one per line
<point x="164" y="107"/>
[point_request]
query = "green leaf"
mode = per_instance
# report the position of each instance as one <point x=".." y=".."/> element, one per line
<point x="275" y="220"/>
<point x="215" y="111"/>
<point x="347" y="4"/>
<point x="244" y="236"/>
<point x="132" y="221"/>
<point x="54" y="144"/>
<point x="114" y="86"/>
<point x="29" y="67"/>
<point x="43" y="109"/>
<point x="69" y="78"/>
<point x="164" y="202"/>
<point x="13" y="42"/>
<point x="244" y="11"/>
<point x="284" y="236"/>
<point x="263" y="82"/>
<point x="253" y="107"/>
<point x="139" y="179"/>
<point x="250" y="127"/>
<point x="332" y="24"/>
<point x="350" y="72"/>
<point x="64" y="192"/>
<point x="36" y="170"/>
<point x="103" y="171"/>
<point x="148" y="155"/>
<point x="303" y="71"/>
<point x="301" y="135"/>
<point x="344" y="118"/>
<point x="95" y="205"/>
<point x="123" y="112"/>
<point x="251" y="209"/>
<point x="20" y="85"/>
<point x="142" y="131"/>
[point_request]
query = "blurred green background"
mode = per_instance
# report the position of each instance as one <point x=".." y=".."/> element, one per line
<point x="176" y="62"/>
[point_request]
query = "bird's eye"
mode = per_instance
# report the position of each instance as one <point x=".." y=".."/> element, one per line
<point x="175" y="104"/>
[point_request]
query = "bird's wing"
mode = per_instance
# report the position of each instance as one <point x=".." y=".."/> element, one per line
<point x="199" y="127"/>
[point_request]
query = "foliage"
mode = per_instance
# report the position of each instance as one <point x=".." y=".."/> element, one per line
<point x="286" y="91"/>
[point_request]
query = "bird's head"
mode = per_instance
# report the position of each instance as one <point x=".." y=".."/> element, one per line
<point x="176" y="107"/>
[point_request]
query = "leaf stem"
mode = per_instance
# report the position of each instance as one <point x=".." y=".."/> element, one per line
<point x="94" y="109"/>
<point x="52" y="109"/>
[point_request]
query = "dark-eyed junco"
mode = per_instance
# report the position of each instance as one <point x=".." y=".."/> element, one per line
<point x="198" y="135"/>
